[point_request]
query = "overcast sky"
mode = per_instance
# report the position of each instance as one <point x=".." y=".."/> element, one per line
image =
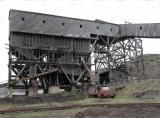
<point x="115" y="11"/>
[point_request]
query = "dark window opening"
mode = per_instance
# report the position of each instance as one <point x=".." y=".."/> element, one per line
<point x="111" y="30"/>
<point x="80" y="26"/>
<point x="120" y="75"/>
<point x="93" y="35"/>
<point x="44" y="21"/>
<point x="62" y="24"/>
<point x="22" y="19"/>
<point x="140" y="28"/>
<point x="97" y="27"/>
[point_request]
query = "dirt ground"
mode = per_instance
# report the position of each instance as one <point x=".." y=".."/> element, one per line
<point x="125" y="112"/>
<point x="70" y="113"/>
<point x="96" y="112"/>
<point x="142" y="92"/>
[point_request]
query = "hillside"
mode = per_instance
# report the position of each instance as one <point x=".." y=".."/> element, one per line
<point x="152" y="66"/>
<point x="150" y="86"/>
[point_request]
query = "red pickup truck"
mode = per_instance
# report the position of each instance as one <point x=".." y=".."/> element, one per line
<point x="101" y="92"/>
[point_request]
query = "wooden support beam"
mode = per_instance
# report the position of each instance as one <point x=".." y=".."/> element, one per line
<point x="81" y="75"/>
<point x="44" y="83"/>
<point x="13" y="69"/>
<point x="66" y="74"/>
<point x="21" y="71"/>
<point x="40" y="74"/>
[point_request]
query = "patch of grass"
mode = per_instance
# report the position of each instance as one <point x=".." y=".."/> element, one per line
<point x="6" y="106"/>
<point x="140" y="86"/>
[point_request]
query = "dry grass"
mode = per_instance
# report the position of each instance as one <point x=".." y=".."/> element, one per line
<point x="139" y="87"/>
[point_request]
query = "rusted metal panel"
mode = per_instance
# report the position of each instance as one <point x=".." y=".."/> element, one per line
<point x="29" y="22"/>
<point x="151" y="30"/>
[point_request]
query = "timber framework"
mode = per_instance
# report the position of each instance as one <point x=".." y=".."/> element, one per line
<point x="48" y="50"/>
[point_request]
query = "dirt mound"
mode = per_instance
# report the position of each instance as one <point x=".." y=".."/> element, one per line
<point x="124" y="112"/>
